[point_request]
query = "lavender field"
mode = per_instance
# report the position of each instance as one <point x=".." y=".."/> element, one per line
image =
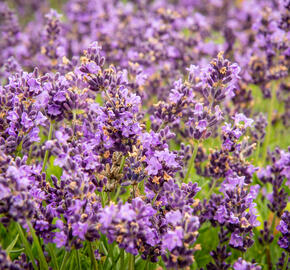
<point x="144" y="134"/>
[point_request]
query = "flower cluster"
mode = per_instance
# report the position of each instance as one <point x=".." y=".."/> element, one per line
<point x="134" y="133"/>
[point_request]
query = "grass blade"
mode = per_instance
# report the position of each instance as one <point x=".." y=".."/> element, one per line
<point x="92" y="256"/>
<point x="53" y="257"/>
<point x="64" y="260"/>
<point x="78" y="260"/>
<point x="12" y="244"/>
<point x="27" y="247"/>
<point x="42" y="259"/>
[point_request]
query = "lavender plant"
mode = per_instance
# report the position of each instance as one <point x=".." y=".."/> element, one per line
<point x="144" y="134"/>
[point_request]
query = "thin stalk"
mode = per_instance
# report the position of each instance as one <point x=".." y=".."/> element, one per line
<point x="64" y="260"/>
<point x="27" y="247"/>
<point x="268" y="257"/>
<point x="286" y="262"/>
<point x="47" y="151"/>
<point x="122" y="254"/>
<point x="110" y="255"/>
<point x="269" y="127"/>
<point x="212" y="188"/>
<point x="147" y="266"/>
<point x="41" y="256"/>
<point x="29" y="154"/>
<point x="78" y="260"/>
<point x="108" y="197"/>
<point x="92" y="256"/>
<point x="154" y="199"/>
<point x="191" y="163"/>
<point x="117" y="193"/>
<point x="17" y="250"/>
<point x="74" y="121"/>
<point x="134" y="191"/>
<point x="131" y="262"/>
<point x="273" y="223"/>
<point x="53" y="256"/>
<point x="258" y="150"/>
<point x="103" y="199"/>
<point x="122" y="164"/>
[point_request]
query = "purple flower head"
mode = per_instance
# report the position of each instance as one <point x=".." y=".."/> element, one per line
<point x="33" y="135"/>
<point x="236" y="240"/>
<point x="34" y="85"/>
<point x="173" y="239"/>
<point x="40" y="119"/>
<point x="106" y="216"/>
<point x="235" y="68"/>
<point x="26" y="121"/>
<point x="92" y="67"/>
<point x="221" y="214"/>
<point x="59" y="224"/>
<point x="175" y="96"/>
<point x="241" y="264"/>
<point x="126" y="213"/>
<point x="79" y="229"/>
<point x="60" y="239"/>
<point x="153" y="166"/>
<point x="54" y="110"/>
<point x="218" y="113"/>
<point x="173" y="217"/>
<point x="227" y="128"/>
<point x="202" y="125"/>
<point x="167" y="157"/>
<point x="60" y="96"/>
<point x="284" y="228"/>
<point x="198" y="109"/>
<point x="12" y="116"/>
<point x="61" y="137"/>
<point x="241" y="119"/>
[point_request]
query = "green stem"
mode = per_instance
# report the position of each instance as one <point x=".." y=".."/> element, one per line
<point x="134" y="191"/>
<point x="103" y="199"/>
<point x="47" y="151"/>
<point x="41" y="256"/>
<point x="273" y="223"/>
<point x="146" y="267"/>
<point x="122" y="259"/>
<point x="191" y="163"/>
<point x="92" y="256"/>
<point x="78" y="260"/>
<point x="53" y="257"/>
<point x="286" y="262"/>
<point x="74" y="121"/>
<point x="212" y="188"/>
<point x="122" y="164"/>
<point x="131" y="263"/>
<point x="109" y="256"/>
<point x="269" y="127"/>
<point x="26" y="246"/>
<point x="29" y="154"/>
<point x="154" y="199"/>
<point x="64" y="260"/>
<point x="258" y="150"/>
<point x="117" y="194"/>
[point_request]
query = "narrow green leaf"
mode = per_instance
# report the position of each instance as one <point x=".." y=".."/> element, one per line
<point x="12" y="244"/>
<point x="131" y="261"/>
<point x="17" y="250"/>
<point x="42" y="259"/>
<point x="52" y="256"/>
<point x="64" y="260"/>
<point x="110" y="255"/>
<point x="92" y="256"/>
<point x="78" y="260"/>
<point x="26" y="246"/>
